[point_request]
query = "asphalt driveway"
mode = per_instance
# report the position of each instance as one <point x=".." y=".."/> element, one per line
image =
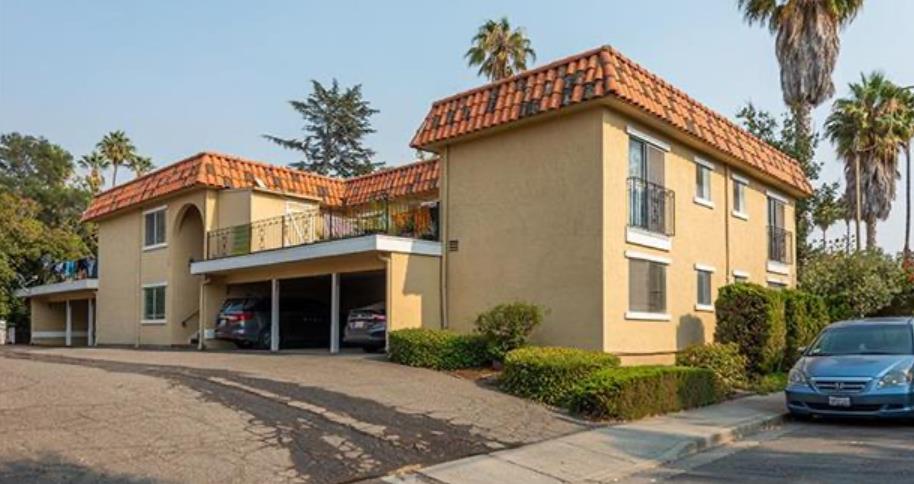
<point x="149" y="416"/>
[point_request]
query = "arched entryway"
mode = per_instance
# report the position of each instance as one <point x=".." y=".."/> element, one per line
<point x="187" y="240"/>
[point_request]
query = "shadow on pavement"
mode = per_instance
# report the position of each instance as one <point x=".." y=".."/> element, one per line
<point x="48" y="468"/>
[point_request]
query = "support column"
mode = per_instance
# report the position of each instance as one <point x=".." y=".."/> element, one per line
<point x="274" y="315"/>
<point x="335" y="313"/>
<point x="69" y="333"/>
<point x="90" y="331"/>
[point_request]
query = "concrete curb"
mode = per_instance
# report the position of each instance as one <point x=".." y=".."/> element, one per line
<point x="612" y="453"/>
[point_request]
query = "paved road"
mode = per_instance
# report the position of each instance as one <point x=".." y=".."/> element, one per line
<point x="131" y="416"/>
<point x="804" y="452"/>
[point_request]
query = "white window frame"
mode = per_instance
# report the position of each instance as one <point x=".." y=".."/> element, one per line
<point x="143" y="319"/>
<point x="701" y="165"/>
<point x="743" y="182"/>
<point x="164" y="243"/>
<point x="642" y="315"/>
<point x="642" y="136"/>
<point x="710" y="271"/>
<point x="740" y="274"/>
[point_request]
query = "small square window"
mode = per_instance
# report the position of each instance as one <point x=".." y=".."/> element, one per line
<point x="154" y="233"/>
<point x="154" y="303"/>
<point x="704" y="288"/>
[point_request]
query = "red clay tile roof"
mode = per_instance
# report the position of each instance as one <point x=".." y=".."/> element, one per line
<point x="593" y="74"/>
<point x="214" y="170"/>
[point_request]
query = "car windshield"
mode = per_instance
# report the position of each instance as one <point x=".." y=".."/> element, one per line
<point x="870" y="339"/>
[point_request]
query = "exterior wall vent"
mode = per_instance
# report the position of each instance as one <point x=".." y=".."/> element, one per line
<point x="453" y="245"/>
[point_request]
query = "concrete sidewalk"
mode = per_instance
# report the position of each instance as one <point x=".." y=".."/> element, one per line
<point x="611" y="453"/>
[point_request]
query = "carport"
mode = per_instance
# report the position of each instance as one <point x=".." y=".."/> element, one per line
<point x="345" y="274"/>
<point x="62" y="313"/>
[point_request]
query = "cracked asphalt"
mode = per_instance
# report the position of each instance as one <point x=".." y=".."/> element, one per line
<point x="112" y="415"/>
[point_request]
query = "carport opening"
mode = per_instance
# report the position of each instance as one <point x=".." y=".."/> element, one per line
<point x="363" y="313"/>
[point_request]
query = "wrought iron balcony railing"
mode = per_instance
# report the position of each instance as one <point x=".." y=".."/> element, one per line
<point x="780" y="245"/>
<point x="651" y="207"/>
<point x="400" y="218"/>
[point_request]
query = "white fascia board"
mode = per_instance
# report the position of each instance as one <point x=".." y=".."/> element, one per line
<point x="59" y="288"/>
<point x="368" y="243"/>
<point x="637" y="133"/>
<point x="633" y="254"/>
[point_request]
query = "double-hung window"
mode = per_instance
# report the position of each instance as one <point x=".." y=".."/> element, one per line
<point x="154" y="303"/>
<point x="154" y="228"/>
<point x="703" y="170"/>
<point x="703" y="296"/>
<point x="739" y="197"/>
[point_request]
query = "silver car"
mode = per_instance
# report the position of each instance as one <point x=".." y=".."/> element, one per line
<point x="856" y="368"/>
<point x="367" y="327"/>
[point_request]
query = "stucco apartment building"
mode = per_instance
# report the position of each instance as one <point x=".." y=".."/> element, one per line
<point x="588" y="185"/>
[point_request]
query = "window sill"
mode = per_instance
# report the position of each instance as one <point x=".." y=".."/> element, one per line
<point x="648" y="239"/>
<point x="741" y="215"/>
<point x="703" y="202"/>
<point x="641" y="316"/>
<point x="778" y="268"/>
<point x="147" y="248"/>
<point x="707" y="308"/>
<point x="153" y="322"/>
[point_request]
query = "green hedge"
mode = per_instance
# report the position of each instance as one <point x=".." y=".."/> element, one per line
<point x="634" y="392"/>
<point x="752" y="317"/>
<point x="549" y="374"/>
<point x="805" y="315"/>
<point x="437" y="349"/>
<point x="724" y="359"/>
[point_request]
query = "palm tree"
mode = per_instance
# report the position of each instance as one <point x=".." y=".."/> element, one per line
<point x="117" y="148"/>
<point x="807" y="45"/>
<point x="96" y="164"/>
<point x="140" y="165"/>
<point x="864" y="130"/>
<point x="499" y="51"/>
<point x="826" y="208"/>
<point x="905" y="96"/>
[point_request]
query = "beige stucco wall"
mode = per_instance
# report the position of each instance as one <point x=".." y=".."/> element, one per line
<point x="525" y="207"/>
<point x="413" y="291"/>
<point x="50" y="314"/>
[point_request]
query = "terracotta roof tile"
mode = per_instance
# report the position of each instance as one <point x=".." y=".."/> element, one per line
<point x="215" y="170"/>
<point x="598" y="73"/>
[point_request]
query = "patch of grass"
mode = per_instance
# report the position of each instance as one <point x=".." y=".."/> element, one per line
<point x="770" y="383"/>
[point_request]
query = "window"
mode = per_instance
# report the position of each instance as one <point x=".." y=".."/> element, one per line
<point x="776" y="284"/>
<point x="703" y="172"/>
<point x="645" y="161"/>
<point x="739" y="276"/>
<point x="154" y="303"/>
<point x="646" y="286"/>
<point x="651" y="205"/>
<point x="739" y="197"/>
<point x="154" y="233"/>
<point x="704" y="288"/>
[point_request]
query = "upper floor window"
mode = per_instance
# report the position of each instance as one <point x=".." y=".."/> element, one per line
<point x="739" y="197"/>
<point x="780" y="240"/>
<point x="703" y="279"/>
<point x="703" y="171"/>
<point x="651" y="204"/>
<point x="154" y="228"/>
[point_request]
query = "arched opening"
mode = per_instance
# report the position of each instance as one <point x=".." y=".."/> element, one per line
<point x="187" y="240"/>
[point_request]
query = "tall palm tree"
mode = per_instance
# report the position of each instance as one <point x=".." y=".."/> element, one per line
<point x="807" y="45"/>
<point x="96" y="164"/>
<point x="863" y="128"/>
<point x="905" y="96"/>
<point x="117" y="148"/>
<point x="499" y="50"/>
<point x="827" y="208"/>
<point x="140" y="165"/>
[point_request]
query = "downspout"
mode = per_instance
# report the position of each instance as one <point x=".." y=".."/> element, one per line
<point x="728" y="192"/>
<point x="139" y="282"/>
<point x="445" y="219"/>
<point x="387" y="297"/>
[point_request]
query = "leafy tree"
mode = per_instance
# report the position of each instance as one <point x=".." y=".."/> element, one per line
<point x="807" y="45"/>
<point x="853" y="284"/>
<point x="864" y="129"/>
<point x="499" y="50"/>
<point x="117" y="148"/>
<point x="827" y="208"/>
<point x="96" y="164"/>
<point x="336" y="123"/>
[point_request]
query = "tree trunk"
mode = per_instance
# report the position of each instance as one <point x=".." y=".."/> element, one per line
<point x="871" y="233"/>
<point x="859" y="198"/>
<point x="907" y="201"/>
<point x="114" y="176"/>
<point x="824" y="236"/>
<point x="847" y="236"/>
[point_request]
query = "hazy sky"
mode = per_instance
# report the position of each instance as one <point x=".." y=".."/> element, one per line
<point x="186" y="76"/>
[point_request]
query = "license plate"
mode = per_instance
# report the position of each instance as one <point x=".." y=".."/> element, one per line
<point x="839" y="401"/>
<point x="358" y="324"/>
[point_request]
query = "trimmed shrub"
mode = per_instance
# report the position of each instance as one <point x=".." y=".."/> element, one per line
<point x="549" y="374"/>
<point x="507" y="326"/>
<point x="724" y="359"/>
<point x="639" y="391"/>
<point x="752" y="317"/>
<point x="437" y="349"/>
<point x="805" y="315"/>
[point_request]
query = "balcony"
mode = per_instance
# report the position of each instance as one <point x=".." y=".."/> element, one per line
<point x="401" y="218"/>
<point x="780" y="245"/>
<point x="651" y="207"/>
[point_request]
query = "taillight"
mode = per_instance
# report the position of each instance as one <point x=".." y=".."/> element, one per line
<point x="236" y="317"/>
